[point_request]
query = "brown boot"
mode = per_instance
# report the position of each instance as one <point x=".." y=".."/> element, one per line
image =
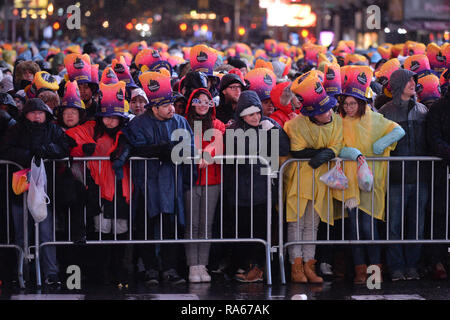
<point x="311" y="273"/>
<point x="297" y="271"/>
<point x="360" y="274"/>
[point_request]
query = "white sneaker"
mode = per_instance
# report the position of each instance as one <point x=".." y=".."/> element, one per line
<point x="325" y="269"/>
<point x="194" y="274"/>
<point x="204" y="275"/>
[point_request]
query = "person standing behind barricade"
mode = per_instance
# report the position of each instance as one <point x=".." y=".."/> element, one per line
<point x="315" y="134"/>
<point x="203" y="196"/>
<point x="70" y="190"/>
<point x="35" y="135"/>
<point x="402" y="260"/>
<point x="230" y="88"/>
<point x="103" y="138"/>
<point x="438" y="134"/>
<point x="154" y="180"/>
<point x="250" y="204"/>
<point x="366" y="134"/>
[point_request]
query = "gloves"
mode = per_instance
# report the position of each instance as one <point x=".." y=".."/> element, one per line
<point x="349" y="153"/>
<point x="306" y="153"/>
<point x="396" y="134"/>
<point x="71" y="142"/>
<point x="166" y="151"/>
<point x="38" y="153"/>
<point x="323" y="156"/>
<point x="88" y="148"/>
<point x="118" y="169"/>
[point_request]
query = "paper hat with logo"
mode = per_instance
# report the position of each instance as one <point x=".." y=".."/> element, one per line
<point x="295" y="53"/>
<point x="332" y="78"/>
<point x="354" y="58"/>
<point x="73" y="49"/>
<point x="384" y="74"/>
<point x="112" y="100"/>
<point x="262" y="81"/>
<point x="175" y="60"/>
<point x="411" y="48"/>
<point x="42" y="81"/>
<point x="342" y="49"/>
<point x="270" y="45"/>
<point x="157" y="87"/>
<point x="418" y="63"/>
<point x="356" y="81"/>
<point x="444" y="79"/>
<point x="312" y="51"/>
<point x="327" y="57"/>
<point x="312" y="95"/>
<point x="78" y="67"/>
<point x="260" y="53"/>
<point x="136" y="47"/>
<point x="127" y="56"/>
<point x="122" y="71"/>
<point x="436" y="57"/>
<point x="385" y="51"/>
<point x="242" y="48"/>
<point x="261" y="63"/>
<point x="203" y="59"/>
<point x="397" y="49"/>
<point x="109" y="76"/>
<point x="160" y="46"/>
<point x="72" y="98"/>
<point x="151" y="60"/>
<point x="445" y="49"/>
<point x="428" y="88"/>
<point x="94" y="73"/>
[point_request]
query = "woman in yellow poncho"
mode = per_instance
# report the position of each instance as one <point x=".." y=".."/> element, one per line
<point x="316" y="134"/>
<point x="366" y="134"/>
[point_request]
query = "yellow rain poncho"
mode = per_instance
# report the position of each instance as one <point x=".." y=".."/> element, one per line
<point x="305" y="134"/>
<point x="361" y="133"/>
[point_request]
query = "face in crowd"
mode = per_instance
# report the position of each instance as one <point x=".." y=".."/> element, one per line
<point x="202" y="104"/>
<point x="267" y="107"/>
<point x="137" y="105"/>
<point x="232" y="93"/>
<point x="36" y="116"/>
<point x="85" y="92"/>
<point x="164" y="112"/>
<point x="252" y="119"/>
<point x="71" y="117"/>
<point x="325" y="117"/>
<point x="111" y="122"/>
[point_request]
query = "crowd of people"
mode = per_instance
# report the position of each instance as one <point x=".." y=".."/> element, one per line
<point x="120" y="100"/>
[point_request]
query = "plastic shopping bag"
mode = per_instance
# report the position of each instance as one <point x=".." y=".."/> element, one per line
<point x="365" y="176"/>
<point x="20" y="181"/>
<point x="335" y="178"/>
<point x="37" y="199"/>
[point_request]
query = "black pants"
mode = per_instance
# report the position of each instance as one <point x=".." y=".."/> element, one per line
<point x="160" y="256"/>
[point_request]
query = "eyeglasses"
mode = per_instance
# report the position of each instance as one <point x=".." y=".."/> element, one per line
<point x="351" y="104"/>
<point x="235" y="87"/>
<point x="206" y="103"/>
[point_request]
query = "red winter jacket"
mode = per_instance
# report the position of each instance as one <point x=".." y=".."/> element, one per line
<point x="213" y="147"/>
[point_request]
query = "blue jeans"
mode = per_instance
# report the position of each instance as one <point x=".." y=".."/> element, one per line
<point x="401" y="257"/>
<point x="47" y="253"/>
<point x="364" y="222"/>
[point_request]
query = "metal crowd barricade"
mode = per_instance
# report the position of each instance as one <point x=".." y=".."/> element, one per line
<point x="23" y="253"/>
<point x="177" y="240"/>
<point x="283" y="244"/>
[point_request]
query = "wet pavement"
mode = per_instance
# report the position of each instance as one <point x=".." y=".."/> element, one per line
<point x="232" y="290"/>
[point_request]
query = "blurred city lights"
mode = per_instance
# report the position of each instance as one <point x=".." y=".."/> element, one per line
<point x="241" y="31"/>
<point x="129" y="26"/>
<point x="105" y="24"/>
<point x="183" y="26"/>
<point x="204" y="28"/>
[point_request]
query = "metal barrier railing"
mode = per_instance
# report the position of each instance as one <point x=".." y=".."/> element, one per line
<point x="265" y="241"/>
<point x="283" y="245"/>
<point x="22" y="258"/>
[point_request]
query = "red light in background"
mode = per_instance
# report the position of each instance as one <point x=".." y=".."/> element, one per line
<point x="129" y="26"/>
<point x="56" y="25"/>
<point x="226" y="19"/>
<point x="183" y="26"/>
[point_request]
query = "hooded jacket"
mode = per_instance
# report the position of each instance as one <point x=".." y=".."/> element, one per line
<point x="281" y="115"/>
<point x="244" y="171"/>
<point x="225" y="110"/>
<point x="411" y="116"/>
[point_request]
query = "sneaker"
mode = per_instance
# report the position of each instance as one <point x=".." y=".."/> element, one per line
<point x="412" y="274"/>
<point x="255" y="274"/>
<point x="397" y="275"/>
<point x="151" y="277"/>
<point x="203" y="272"/>
<point x="172" y="276"/>
<point x="325" y="269"/>
<point x="52" y="280"/>
<point x="194" y="274"/>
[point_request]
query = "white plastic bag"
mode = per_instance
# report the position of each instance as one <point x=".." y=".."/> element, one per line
<point x="365" y="176"/>
<point x="335" y="178"/>
<point x="37" y="199"/>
